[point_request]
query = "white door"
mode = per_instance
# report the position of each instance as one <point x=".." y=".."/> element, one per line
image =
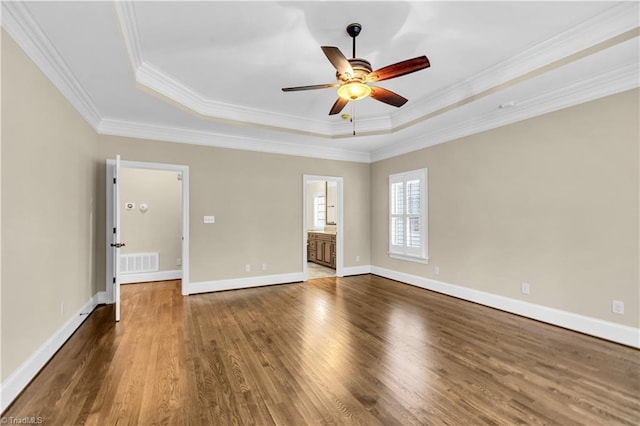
<point x="115" y="243"/>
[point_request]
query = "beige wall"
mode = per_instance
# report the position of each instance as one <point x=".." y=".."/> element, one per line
<point x="48" y="208"/>
<point x="552" y="201"/>
<point x="159" y="229"/>
<point x="256" y="199"/>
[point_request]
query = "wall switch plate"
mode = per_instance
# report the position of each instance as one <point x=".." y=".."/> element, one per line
<point x="436" y="270"/>
<point x="178" y="262"/>
<point x="247" y="268"/>
<point x="209" y="219"/>
<point x="617" y="307"/>
<point x="525" y="288"/>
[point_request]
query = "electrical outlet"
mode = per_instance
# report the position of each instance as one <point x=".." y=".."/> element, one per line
<point x="61" y="308"/>
<point x="178" y="262"/>
<point x="436" y="270"/>
<point x="357" y="258"/>
<point x="617" y="307"/>
<point x="525" y="288"/>
<point x="264" y="266"/>
<point x="247" y="268"/>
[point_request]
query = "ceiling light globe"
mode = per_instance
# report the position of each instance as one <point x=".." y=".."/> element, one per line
<point x="354" y="91"/>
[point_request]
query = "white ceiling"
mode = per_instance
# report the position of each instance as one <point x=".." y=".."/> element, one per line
<point x="211" y="72"/>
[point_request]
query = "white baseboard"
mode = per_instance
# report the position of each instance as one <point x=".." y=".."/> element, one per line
<point x="150" y="276"/>
<point x="101" y="298"/>
<point x="19" y="379"/>
<point x="356" y="270"/>
<point x="238" y="283"/>
<point x="607" y="330"/>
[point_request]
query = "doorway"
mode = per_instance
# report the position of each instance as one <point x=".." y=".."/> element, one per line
<point x="151" y="225"/>
<point x="181" y="173"/>
<point x="322" y="232"/>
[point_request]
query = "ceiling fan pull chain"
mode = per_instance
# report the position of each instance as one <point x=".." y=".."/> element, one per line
<point x="353" y="111"/>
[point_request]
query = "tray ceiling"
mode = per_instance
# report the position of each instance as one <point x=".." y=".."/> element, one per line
<point x="211" y="72"/>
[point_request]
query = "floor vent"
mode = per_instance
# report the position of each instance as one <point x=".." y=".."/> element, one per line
<point x="138" y="262"/>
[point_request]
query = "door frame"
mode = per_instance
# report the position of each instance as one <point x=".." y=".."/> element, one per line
<point x="109" y="217"/>
<point x="339" y="226"/>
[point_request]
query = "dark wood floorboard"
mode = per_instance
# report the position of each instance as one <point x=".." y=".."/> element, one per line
<point x="358" y="350"/>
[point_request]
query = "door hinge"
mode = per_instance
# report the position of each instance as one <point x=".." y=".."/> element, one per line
<point x="114" y="280"/>
<point x="114" y="180"/>
<point x="114" y="230"/>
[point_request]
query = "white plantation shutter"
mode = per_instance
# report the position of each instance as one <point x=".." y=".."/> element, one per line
<point x="408" y="215"/>
<point x="319" y="211"/>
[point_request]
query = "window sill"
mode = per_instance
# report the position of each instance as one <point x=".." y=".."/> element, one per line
<point x="409" y="258"/>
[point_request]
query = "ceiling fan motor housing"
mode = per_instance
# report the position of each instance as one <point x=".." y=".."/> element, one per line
<point x="361" y="67"/>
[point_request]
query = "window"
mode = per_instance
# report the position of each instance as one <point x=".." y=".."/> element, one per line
<point x="319" y="211"/>
<point x="408" y="216"/>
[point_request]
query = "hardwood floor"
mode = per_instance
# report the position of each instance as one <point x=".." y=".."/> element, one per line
<point x="357" y="350"/>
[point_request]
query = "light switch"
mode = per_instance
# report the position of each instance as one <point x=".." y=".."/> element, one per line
<point x="209" y="219"/>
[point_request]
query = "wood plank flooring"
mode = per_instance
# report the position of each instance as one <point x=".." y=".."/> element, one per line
<point x="358" y="350"/>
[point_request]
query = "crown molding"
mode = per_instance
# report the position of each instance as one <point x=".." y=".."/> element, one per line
<point x="115" y="127"/>
<point x="151" y="77"/>
<point x="614" y="21"/>
<point x="23" y="28"/>
<point x="605" y="84"/>
<point x="617" y="20"/>
<point x="605" y="28"/>
<point x="129" y="27"/>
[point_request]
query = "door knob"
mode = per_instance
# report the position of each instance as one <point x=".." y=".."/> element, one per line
<point x="118" y="245"/>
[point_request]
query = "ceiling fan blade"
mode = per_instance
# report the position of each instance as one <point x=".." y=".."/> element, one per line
<point x="398" y="69"/>
<point x="338" y="60"/>
<point x="315" y="86"/>
<point x="338" y="106"/>
<point x="387" y="96"/>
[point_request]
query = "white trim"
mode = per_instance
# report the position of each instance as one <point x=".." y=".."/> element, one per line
<point x="605" y="26"/>
<point x="356" y="270"/>
<point x="109" y="223"/>
<point x="240" y="283"/>
<point x="25" y="30"/>
<point x="101" y="298"/>
<point x="156" y="80"/>
<point x="306" y="179"/>
<point x="150" y="276"/>
<point x="615" y="21"/>
<point x="595" y="87"/>
<point x="20" y="378"/>
<point x="153" y="131"/>
<point x="130" y="34"/>
<point x="162" y="83"/>
<point x="608" y="24"/>
<point x="607" y="330"/>
<point x="408" y="257"/>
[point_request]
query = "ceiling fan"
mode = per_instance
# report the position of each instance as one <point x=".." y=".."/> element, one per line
<point x="353" y="76"/>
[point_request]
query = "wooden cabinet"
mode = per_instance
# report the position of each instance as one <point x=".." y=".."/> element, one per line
<point x="321" y="248"/>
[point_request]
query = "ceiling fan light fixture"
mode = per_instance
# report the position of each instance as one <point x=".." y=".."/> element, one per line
<point x="354" y="91"/>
